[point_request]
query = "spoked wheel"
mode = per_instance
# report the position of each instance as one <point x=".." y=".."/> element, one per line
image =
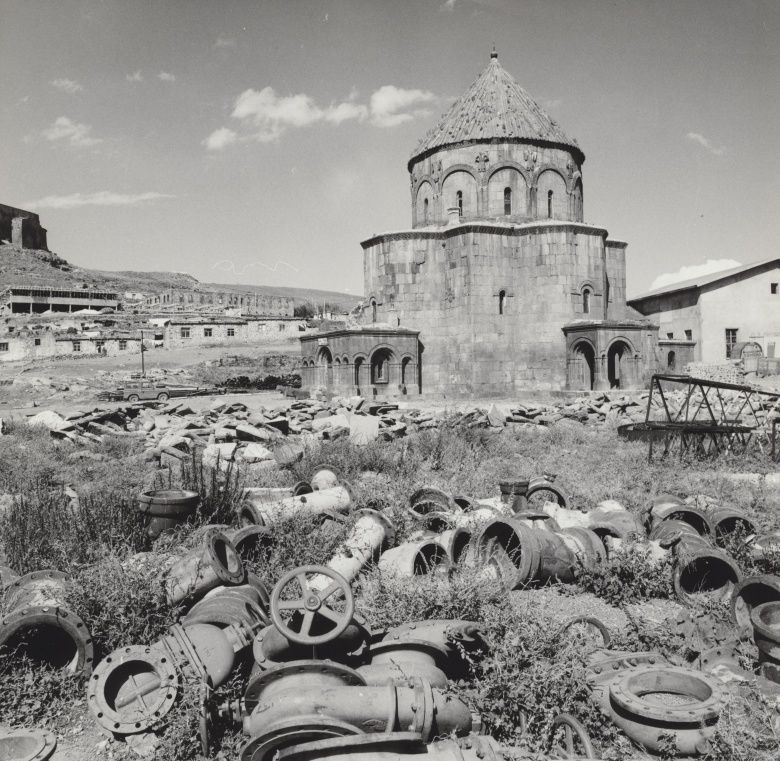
<point x="312" y="605"/>
<point x="570" y="739"/>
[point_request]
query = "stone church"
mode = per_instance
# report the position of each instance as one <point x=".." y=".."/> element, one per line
<point x="498" y="285"/>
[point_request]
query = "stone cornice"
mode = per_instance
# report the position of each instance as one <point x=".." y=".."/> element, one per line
<point x="495" y="228"/>
<point x="384" y="332"/>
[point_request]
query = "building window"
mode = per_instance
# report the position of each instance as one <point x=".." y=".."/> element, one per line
<point x="507" y="201"/>
<point x="281" y="327"/>
<point x="122" y="344"/>
<point x="773" y="288"/>
<point x="459" y="202"/>
<point x="373" y="311"/>
<point x="689" y="335"/>
<point x="425" y="211"/>
<point x="731" y="340"/>
<point x="185" y="332"/>
<point x="99" y="345"/>
<point x="231" y="332"/>
<point x="501" y="301"/>
<point x="3" y="346"/>
<point x="549" y="204"/>
<point x="77" y="346"/>
<point x="207" y="332"/>
<point x="671" y="360"/>
<point x="670" y="336"/>
<point x="37" y="342"/>
<point x="586" y="301"/>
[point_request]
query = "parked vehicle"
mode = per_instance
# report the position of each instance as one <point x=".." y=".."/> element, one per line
<point x="136" y="391"/>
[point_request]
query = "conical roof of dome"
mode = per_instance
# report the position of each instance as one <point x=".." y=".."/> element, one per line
<point x="495" y="107"/>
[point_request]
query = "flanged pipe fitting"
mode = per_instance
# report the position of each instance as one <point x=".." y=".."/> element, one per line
<point x="325" y="477"/>
<point x="268" y="513"/>
<point x="40" y="625"/>
<point x="415" y="559"/>
<point x="766" y="632"/>
<point x="26" y="744"/>
<point x="750" y="592"/>
<point x="725" y="522"/>
<point x="163" y="510"/>
<point x="400" y="660"/>
<point x="514" y="494"/>
<point x="214" y="564"/>
<point x="389" y="707"/>
<point x="650" y="703"/>
<point x="702" y="570"/>
<point x="225" y="606"/>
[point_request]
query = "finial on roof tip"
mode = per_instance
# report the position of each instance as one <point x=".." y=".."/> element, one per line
<point x="494" y="54"/>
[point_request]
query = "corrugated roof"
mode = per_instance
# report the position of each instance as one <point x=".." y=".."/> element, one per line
<point x="494" y="107"/>
<point x="702" y="280"/>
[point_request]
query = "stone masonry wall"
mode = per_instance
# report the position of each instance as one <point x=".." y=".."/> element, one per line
<point x="448" y="286"/>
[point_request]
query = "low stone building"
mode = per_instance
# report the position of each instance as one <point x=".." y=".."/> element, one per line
<point x="110" y="345"/>
<point x="26" y="345"/>
<point x="717" y="317"/>
<point x="36" y="299"/>
<point x="508" y="286"/>
<point x="213" y="330"/>
<point x="371" y="361"/>
<point x="22" y="228"/>
<point x="246" y="302"/>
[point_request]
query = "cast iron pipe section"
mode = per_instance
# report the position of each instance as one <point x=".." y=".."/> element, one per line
<point x="267" y="513"/>
<point x="38" y="624"/>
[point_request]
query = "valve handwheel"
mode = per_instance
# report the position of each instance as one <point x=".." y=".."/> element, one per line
<point x="315" y="608"/>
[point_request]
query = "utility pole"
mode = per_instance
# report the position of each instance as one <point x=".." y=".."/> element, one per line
<point x="143" y="369"/>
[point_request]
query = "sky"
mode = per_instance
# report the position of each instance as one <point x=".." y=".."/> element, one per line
<point x="260" y="142"/>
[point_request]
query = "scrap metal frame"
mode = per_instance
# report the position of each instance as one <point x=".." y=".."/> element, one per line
<point x="712" y="417"/>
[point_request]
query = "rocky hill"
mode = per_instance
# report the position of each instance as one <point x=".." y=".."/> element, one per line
<point x="26" y="266"/>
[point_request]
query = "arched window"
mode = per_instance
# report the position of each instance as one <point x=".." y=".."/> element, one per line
<point x="585" y="300"/>
<point x="507" y="201"/>
<point x="549" y="204"/>
<point x="501" y="301"/>
<point x="671" y="360"/>
<point x="459" y="202"/>
<point x="425" y="211"/>
<point x="373" y="311"/>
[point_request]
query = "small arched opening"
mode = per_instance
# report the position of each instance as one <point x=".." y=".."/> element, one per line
<point x="549" y="204"/>
<point x="459" y="202"/>
<point x="586" y="293"/>
<point x="380" y="366"/>
<point x="373" y="311"/>
<point x="325" y="366"/>
<point x="425" y="211"/>
<point x="507" y="201"/>
<point x="359" y="363"/>
<point x="618" y="365"/>
<point x="671" y="361"/>
<point x="582" y="368"/>
<point x="406" y="371"/>
<point x="501" y="301"/>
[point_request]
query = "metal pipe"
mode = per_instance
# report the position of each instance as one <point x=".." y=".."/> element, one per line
<point x="265" y="513"/>
<point x="415" y="559"/>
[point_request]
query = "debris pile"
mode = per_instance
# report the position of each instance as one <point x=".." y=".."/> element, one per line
<point x="320" y="680"/>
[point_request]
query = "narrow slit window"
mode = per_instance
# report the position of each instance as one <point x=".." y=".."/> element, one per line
<point x="459" y="202"/>
<point x="549" y="204"/>
<point x="585" y="300"/>
<point x="501" y="301"/>
<point x="425" y="211"/>
<point x="507" y="201"/>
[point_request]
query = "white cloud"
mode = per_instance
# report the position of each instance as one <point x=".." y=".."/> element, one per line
<point x="688" y="272"/>
<point x="166" y="77"/>
<point x="705" y="143"/>
<point x="136" y="76"/>
<point x="65" y="129"/>
<point x="101" y="198"/>
<point x="224" y="42"/>
<point x="448" y="5"/>
<point x="67" y="85"/>
<point x="265" y="116"/>
<point x="391" y="106"/>
<point x="220" y="138"/>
